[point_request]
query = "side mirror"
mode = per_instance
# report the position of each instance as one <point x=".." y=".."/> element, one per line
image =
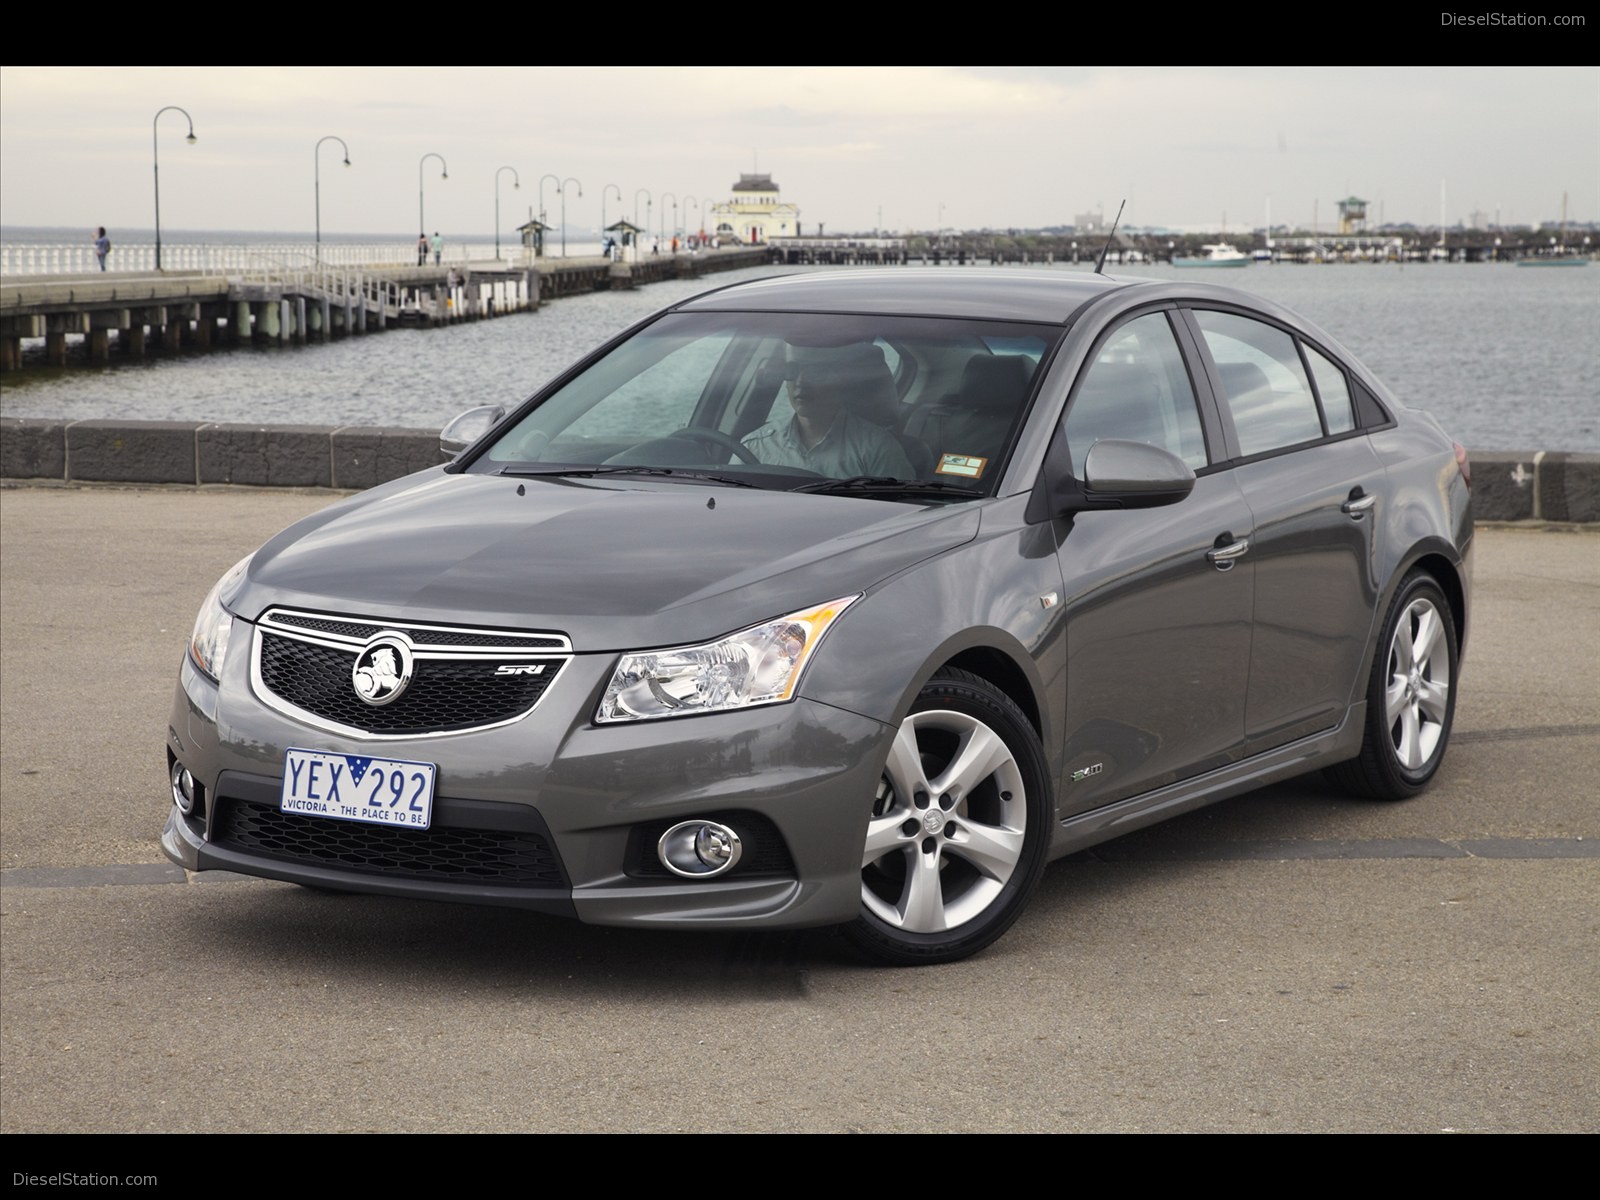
<point x="468" y="427"/>
<point x="1118" y="474"/>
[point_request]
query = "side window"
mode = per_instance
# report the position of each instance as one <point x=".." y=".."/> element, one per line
<point x="1137" y="390"/>
<point x="1264" y="384"/>
<point x="890" y="356"/>
<point x="1334" y="390"/>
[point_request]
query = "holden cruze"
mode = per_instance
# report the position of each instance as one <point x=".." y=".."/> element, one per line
<point x="840" y="599"/>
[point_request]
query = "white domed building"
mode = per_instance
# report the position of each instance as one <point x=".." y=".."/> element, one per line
<point x="756" y="213"/>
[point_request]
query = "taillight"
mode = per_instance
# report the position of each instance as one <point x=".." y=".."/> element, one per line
<point x="1463" y="463"/>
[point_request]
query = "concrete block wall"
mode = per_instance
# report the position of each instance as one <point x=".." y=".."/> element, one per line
<point x="1535" y="485"/>
<point x="1522" y="485"/>
<point x="337" y="456"/>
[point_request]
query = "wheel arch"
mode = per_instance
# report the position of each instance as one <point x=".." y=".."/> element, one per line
<point x="1000" y="669"/>
<point x="1448" y="571"/>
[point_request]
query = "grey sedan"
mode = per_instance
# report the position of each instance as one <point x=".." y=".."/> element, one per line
<point x="841" y="600"/>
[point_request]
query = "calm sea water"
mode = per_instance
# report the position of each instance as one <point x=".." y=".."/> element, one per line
<point x="1506" y="358"/>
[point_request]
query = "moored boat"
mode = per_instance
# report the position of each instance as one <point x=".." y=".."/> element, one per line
<point x="1566" y="259"/>
<point x="1215" y="254"/>
<point x="1561" y="255"/>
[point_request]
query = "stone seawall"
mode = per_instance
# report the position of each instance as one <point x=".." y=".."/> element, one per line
<point x="1508" y="485"/>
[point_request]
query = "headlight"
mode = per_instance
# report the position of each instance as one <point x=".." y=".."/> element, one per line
<point x="759" y="665"/>
<point x="209" y="643"/>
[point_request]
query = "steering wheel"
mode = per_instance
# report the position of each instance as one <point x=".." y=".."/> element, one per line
<point x="715" y="437"/>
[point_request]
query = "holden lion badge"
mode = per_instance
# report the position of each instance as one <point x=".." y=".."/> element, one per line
<point x="382" y="671"/>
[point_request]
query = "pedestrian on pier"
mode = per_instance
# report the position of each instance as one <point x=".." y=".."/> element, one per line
<point x="102" y="246"/>
<point x="438" y="248"/>
<point x="422" y="249"/>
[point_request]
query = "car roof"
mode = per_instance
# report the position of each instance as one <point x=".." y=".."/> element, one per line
<point x="980" y="294"/>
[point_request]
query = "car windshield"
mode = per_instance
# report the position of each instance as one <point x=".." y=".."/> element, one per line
<point x="924" y="408"/>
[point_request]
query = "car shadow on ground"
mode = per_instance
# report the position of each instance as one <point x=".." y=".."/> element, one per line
<point x="361" y="938"/>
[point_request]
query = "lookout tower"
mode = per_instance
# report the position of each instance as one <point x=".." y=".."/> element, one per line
<point x="756" y="212"/>
<point x="1352" y="215"/>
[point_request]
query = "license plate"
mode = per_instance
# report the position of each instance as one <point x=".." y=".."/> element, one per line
<point x="358" y="787"/>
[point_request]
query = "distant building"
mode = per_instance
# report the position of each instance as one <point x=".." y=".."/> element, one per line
<point x="756" y="213"/>
<point x="1088" y="222"/>
<point x="533" y="237"/>
<point x="1352" y="215"/>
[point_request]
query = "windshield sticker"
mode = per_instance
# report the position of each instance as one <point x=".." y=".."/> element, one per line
<point x="968" y="466"/>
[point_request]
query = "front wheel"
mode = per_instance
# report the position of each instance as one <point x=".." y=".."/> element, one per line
<point x="959" y="827"/>
<point x="1410" y="697"/>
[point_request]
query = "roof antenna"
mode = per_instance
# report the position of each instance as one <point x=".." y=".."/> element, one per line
<point x="1109" y="236"/>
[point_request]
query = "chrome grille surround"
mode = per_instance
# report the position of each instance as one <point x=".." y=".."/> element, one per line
<point x="450" y="660"/>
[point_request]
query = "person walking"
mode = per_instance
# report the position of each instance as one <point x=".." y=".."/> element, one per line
<point x="438" y="248"/>
<point x="422" y="249"/>
<point x="102" y="246"/>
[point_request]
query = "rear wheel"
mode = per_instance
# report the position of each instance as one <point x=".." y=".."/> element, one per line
<point x="1410" y="698"/>
<point x="959" y="827"/>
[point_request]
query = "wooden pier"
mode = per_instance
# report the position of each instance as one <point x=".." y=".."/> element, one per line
<point x="839" y="251"/>
<point x="108" y="315"/>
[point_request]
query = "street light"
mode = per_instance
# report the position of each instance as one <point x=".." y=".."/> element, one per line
<point x="155" y="162"/>
<point x="645" y="228"/>
<point x="562" y="192"/>
<point x="444" y="173"/>
<point x="697" y="213"/>
<point x="543" y="217"/>
<point x="603" y="192"/>
<point x="516" y="182"/>
<point x="316" y="158"/>
<point x="664" y="196"/>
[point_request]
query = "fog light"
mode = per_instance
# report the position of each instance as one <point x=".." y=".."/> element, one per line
<point x="182" y="788"/>
<point x="699" y="849"/>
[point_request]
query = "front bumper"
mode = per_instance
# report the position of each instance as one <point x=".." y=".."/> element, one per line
<point x="551" y="813"/>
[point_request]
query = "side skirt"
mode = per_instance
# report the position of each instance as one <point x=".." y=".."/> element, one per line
<point x="1283" y="762"/>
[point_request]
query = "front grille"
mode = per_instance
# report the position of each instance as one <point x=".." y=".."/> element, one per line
<point x="303" y="664"/>
<point x="493" y="857"/>
<point x="431" y="635"/>
<point x="444" y="696"/>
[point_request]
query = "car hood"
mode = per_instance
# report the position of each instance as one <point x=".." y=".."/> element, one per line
<point x="613" y="564"/>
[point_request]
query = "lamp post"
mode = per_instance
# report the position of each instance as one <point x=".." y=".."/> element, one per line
<point x="155" y="162"/>
<point x="603" y="192"/>
<point x="444" y="173"/>
<point x="645" y="228"/>
<point x="562" y="191"/>
<point x="664" y="196"/>
<point x="516" y="182"/>
<point x="686" y="200"/>
<point x="316" y="156"/>
<point x="544" y="218"/>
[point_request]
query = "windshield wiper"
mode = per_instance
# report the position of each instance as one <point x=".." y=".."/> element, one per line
<point x="868" y="485"/>
<point x="591" y="472"/>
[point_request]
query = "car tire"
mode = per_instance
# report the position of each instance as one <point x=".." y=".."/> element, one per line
<point x="1411" y="697"/>
<point x="935" y="890"/>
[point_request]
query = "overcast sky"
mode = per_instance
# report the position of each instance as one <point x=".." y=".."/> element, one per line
<point x="971" y="146"/>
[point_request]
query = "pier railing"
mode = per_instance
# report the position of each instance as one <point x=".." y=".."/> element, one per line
<point x="21" y="258"/>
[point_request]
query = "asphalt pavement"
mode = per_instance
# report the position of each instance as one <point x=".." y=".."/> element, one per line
<point x="1289" y="960"/>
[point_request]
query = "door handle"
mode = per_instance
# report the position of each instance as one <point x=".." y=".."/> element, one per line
<point x="1358" y="505"/>
<point x="1227" y="550"/>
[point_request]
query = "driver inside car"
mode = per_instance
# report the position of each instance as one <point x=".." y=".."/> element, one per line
<point x="824" y="435"/>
